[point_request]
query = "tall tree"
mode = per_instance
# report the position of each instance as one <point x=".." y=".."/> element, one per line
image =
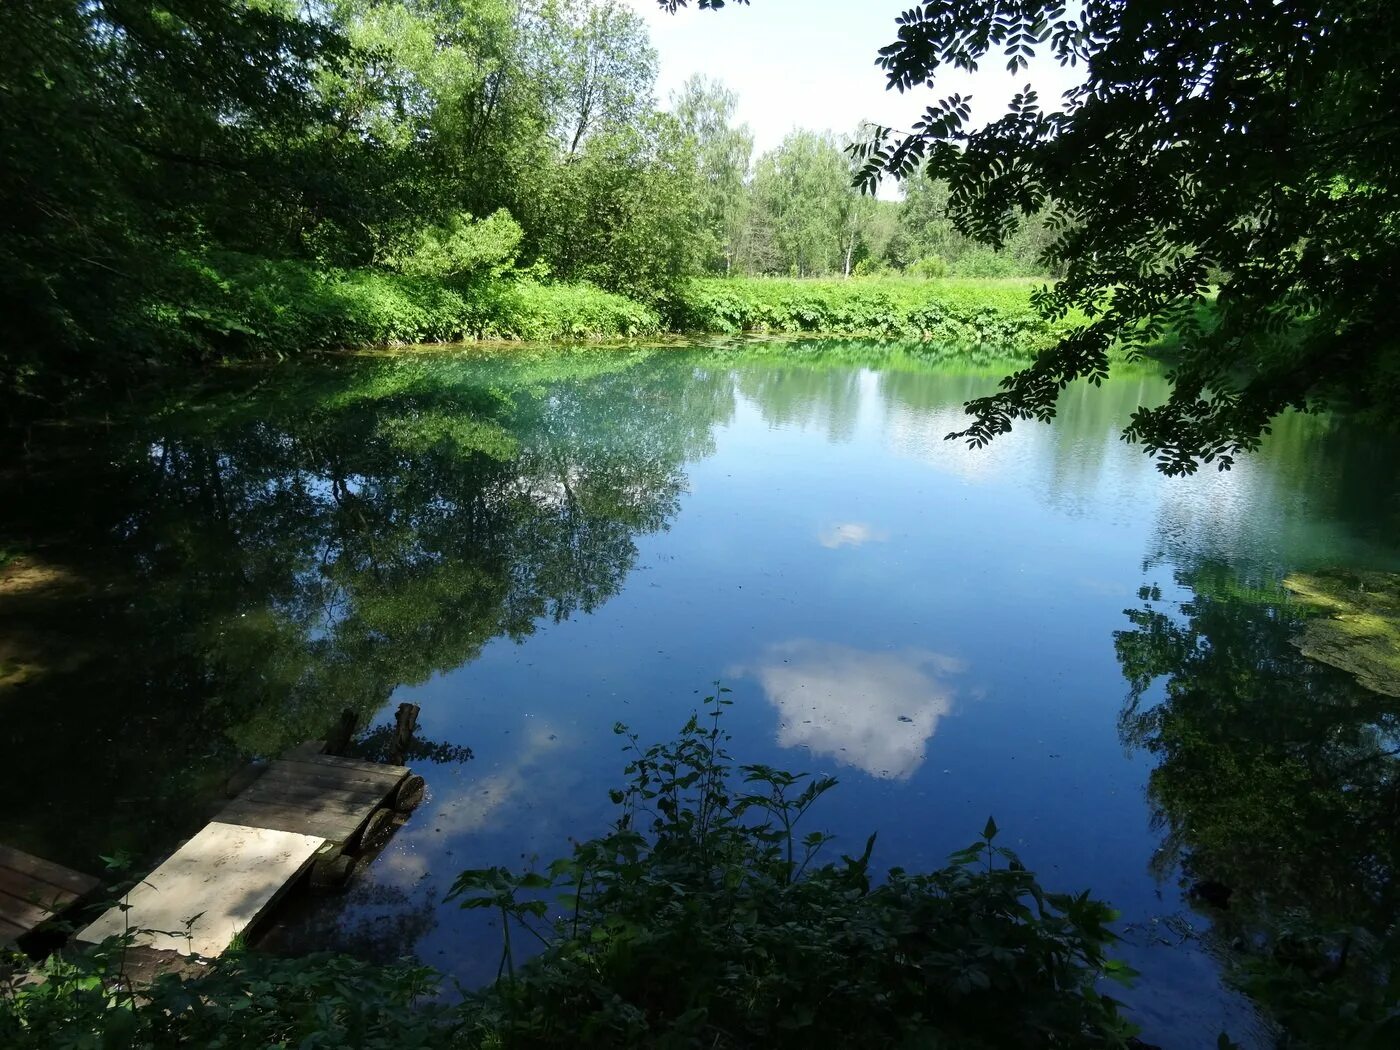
<point x="622" y="212"/>
<point x="607" y="68"/>
<point x="802" y="195"/>
<point x="705" y="109"/>
<point x="446" y="88"/>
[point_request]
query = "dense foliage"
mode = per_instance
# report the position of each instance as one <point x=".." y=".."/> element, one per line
<point x="218" y="176"/>
<point x="963" y="313"/>
<point x="208" y="179"/>
<point x="702" y="918"/>
<point x="1245" y="145"/>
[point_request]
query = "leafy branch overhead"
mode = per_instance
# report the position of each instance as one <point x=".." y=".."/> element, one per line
<point x="1225" y="174"/>
<point x="705" y="5"/>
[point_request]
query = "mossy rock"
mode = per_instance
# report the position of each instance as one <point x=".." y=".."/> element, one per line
<point x="1359" y="626"/>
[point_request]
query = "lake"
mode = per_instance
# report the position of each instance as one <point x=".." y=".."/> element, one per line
<point x="533" y="544"/>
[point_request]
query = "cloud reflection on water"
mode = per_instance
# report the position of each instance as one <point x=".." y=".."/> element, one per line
<point x="850" y="534"/>
<point x="872" y="710"/>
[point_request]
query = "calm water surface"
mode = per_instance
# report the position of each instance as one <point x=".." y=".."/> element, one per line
<point x="535" y="545"/>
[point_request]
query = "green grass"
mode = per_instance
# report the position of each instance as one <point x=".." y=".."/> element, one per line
<point x="982" y="312"/>
<point x="241" y="306"/>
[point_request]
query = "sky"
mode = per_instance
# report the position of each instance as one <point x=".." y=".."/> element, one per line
<point x="811" y="64"/>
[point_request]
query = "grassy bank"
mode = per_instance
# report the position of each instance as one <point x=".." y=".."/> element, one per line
<point x="962" y="312"/>
<point x="242" y="306"/>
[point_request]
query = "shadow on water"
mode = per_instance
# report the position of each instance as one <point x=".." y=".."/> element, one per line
<point x="220" y="578"/>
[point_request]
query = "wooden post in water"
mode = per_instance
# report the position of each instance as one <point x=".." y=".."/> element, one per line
<point x="405" y="725"/>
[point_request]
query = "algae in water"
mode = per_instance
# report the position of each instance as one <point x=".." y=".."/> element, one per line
<point x="1359" y="629"/>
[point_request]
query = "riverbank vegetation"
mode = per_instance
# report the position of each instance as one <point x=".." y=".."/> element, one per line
<point x="706" y="916"/>
<point x="964" y="313"/>
<point x="215" y="181"/>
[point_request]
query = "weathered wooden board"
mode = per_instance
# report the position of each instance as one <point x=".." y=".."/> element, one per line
<point x="291" y="820"/>
<point x="33" y="891"/>
<point x="288" y="771"/>
<point x="22" y="913"/>
<point x="223" y="879"/>
<point x="322" y="795"/>
<point x="46" y="871"/>
<point x="351" y="764"/>
<point x="292" y="792"/>
<point x="10" y="931"/>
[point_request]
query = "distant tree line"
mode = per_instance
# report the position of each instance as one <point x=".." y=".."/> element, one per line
<point x="794" y="211"/>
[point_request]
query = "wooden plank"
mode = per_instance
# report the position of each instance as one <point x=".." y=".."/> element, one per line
<point x="223" y="879"/>
<point x="291" y="819"/>
<point x="332" y="778"/>
<point x="22" y="912"/>
<point x="46" y="871"/>
<point x="27" y="888"/>
<point x="336" y="762"/>
<point x="291" y="793"/>
<point x="310" y="773"/>
<point x="293" y="823"/>
<point x="317" y="807"/>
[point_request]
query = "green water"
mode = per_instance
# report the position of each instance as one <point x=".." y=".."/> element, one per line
<point x="534" y="544"/>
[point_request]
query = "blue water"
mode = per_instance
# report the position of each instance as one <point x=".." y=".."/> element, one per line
<point x="934" y="625"/>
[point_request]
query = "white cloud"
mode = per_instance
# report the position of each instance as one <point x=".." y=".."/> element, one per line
<point x="872" y="710"/>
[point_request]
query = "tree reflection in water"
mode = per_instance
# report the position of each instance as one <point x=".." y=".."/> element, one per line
<point x="259" y="560"/>
<point x="1278" y="781"/>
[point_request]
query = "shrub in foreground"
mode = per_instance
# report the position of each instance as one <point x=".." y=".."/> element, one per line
<point x="703" y="918"/>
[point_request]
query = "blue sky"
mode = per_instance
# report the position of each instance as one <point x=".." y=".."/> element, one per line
<point x="811" y="63"/>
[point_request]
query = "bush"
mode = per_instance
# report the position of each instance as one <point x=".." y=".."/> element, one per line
<point x="245" y="306"/>
<point x="870" y="267"/>
<point x="980" y="261"/>
<point x="246" y="1000"/>
<point x="929" y="268"/>
<point x="971" y="313"/>
<point x="703" y="919"/>
<point x="463" y="249"/>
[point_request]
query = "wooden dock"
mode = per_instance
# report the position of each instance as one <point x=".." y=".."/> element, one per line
<point x="305" y="813"/>
<point x="33" y="891"/>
